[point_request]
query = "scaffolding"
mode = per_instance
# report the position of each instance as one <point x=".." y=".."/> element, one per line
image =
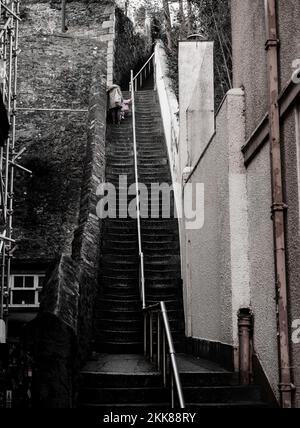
<point x="9" y="50"/>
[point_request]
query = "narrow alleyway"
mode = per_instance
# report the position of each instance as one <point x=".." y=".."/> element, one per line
<point x="118" y="375"/>
<point x="118" y="317"/>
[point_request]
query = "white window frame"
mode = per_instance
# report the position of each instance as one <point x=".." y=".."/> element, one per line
<point x="35" y="289"/>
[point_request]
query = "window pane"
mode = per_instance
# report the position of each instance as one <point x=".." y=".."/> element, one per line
<point x="41" y="281"/>
<point x="18" y="282"/>
<point x="29" y="282"/>
<point x="23" y="298"/>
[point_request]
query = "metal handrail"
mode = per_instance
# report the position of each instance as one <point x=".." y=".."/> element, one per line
<point x="144" y="66"/>
<point x="139" y="75"/>
<point x="163" y="340"/>
<point x="138" y="211"/>
<point x="164" y="335"/>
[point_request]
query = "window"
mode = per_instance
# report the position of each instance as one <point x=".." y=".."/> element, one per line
<point x="25" y="290"/>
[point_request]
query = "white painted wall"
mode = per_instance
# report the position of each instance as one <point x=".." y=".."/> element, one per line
<point x="227" y="264"/>
<point x="200" y="114"/>
<point x="238" y="207"/>
<point x="169" y="111"/>
<point x="214" y="258"/>
<point x="216" y="278"/>
<point x="196" y="100"/>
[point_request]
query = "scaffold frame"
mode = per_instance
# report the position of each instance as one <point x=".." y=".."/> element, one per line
<point x="9" y="50"/>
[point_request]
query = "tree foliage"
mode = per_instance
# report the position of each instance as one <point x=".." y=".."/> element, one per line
<point x="210" y="18"/>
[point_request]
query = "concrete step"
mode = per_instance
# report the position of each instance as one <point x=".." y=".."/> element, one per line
<point x="108" y="380"/>
<point x="129" y="381"/>
<point x="112" y="347"/>
<point x="158" y="395"/>
<point x="119" y="315"/>
<point x="120" y="304"/>
<point x="121" y="337"/>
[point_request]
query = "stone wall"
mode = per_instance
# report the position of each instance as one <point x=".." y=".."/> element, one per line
<point x="62" y="109"/>
<point x="62" y="332"/>
<point x="87" y="238"/>
<point x="62" y="123"/>
<point x="55" y="75"/>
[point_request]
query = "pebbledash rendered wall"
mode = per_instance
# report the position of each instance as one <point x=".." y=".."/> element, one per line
<point x="214" y="254"/>
<point x="216" y="271"/>
<point x="250" y="71"/>
<point x="229" y="263"/>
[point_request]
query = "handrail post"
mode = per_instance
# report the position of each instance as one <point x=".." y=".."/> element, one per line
<point x="172" y="355"/>
<point x="145" y="333"/>
<point x="151" y="337"/>
<point x="172" y="391"/>
<point x="158" y="341"/>
<point x="164" y="358"/>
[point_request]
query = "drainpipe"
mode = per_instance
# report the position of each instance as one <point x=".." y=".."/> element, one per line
<point x="278" y="206"/>
<point x="63" y="16"/>
<point x="245" y="325"/>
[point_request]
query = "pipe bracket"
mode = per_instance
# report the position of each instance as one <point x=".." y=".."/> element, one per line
<point x="286" y="387"/>
<point x="279" y="207"/>
<point x="272" y="43"/>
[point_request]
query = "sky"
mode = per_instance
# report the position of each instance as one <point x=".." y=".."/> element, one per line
<point x="133" y="4"/>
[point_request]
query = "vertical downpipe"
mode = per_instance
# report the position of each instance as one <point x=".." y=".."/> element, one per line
<point x="63" y="15"/>
<point x="278" y="206"/>
<point x="245" y="331"/>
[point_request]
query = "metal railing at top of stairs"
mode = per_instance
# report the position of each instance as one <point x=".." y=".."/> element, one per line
<point x="144" y="73"/>
<point x="164" y="340"/>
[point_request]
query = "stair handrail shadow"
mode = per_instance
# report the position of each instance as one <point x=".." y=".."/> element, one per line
<point x="165" y="355"/>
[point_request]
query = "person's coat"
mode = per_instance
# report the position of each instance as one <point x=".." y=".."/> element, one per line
<point x="115" y="97"/>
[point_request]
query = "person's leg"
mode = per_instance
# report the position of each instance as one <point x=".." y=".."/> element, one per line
<point x="111" y="115"/>
<point x="118" y="115"/>
<point x="114" y="116"/>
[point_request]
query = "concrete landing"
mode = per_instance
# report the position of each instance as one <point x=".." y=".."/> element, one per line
<point x="137" y="364"/>
<point x="119" y="364"/>
<point x="189" y="364"/>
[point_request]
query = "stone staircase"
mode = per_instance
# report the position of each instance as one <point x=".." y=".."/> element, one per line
<point x="128" y="381"/>
<point x="118" y="317"/>
<point x="118" y="376"/>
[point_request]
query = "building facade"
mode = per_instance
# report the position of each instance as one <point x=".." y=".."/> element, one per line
<point x="229" y="264"/>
